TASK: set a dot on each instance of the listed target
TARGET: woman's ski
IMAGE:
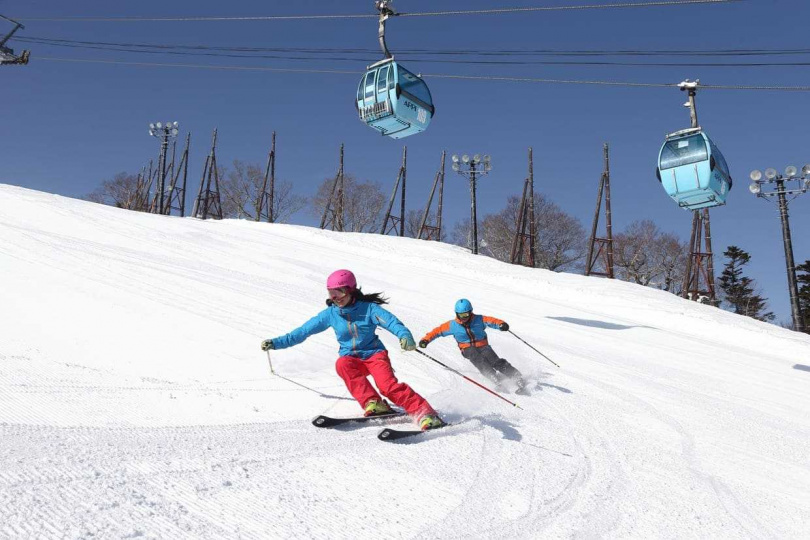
(328, 421)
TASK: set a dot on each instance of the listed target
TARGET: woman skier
(469, 331)
(354, 317)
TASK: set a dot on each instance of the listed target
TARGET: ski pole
(535, 350)
(469, 379)
(271, 363)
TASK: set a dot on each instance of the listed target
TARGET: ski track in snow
(134, 402)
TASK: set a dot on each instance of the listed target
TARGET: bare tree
(633, 252)
(461, 234)
(121, 191)
(241, 189)
(647, 256)
(362, 201)
(672, 255)
(561, 239)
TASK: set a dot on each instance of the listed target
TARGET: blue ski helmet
(463, 306)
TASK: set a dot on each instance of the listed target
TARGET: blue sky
(67, 126)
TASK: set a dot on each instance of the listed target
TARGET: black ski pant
(490, 365)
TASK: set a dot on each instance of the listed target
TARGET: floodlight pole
(781, 193)
(473, 210)
(469, 167)
(795, 309)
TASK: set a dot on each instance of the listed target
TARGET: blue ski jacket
(354, 328)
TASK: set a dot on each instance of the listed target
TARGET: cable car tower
(524, 242)
(604, 252)
(334, 211)
(7, 55)
(434, 232)
(390, 98)
(397, 220)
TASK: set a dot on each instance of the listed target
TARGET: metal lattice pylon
(333, 212)
(600, 249)
(265, 201)
(176, 195)
(523, 244)
(397, 220)
(699, 279)
(434, 232)
(208, 203)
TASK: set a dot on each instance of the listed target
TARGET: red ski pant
(354, 372)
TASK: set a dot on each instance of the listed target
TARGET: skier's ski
(389, 434)
(328, 421)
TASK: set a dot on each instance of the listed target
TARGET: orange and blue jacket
(468, 334)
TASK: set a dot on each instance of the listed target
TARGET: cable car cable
(467, 52)
(622, 5)
(123, 48)
(435, 76)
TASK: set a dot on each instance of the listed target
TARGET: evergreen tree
(803, 278)
(738, 289)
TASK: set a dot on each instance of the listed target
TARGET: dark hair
(374, 298)
(359, 296)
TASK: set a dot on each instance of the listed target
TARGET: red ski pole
(469, 379)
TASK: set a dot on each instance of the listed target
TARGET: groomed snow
(135, 401)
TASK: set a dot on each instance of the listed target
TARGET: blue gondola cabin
(393, 100)
(692, 170)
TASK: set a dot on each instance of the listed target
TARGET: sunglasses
(465, 315)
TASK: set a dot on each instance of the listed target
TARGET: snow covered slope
(135, 401)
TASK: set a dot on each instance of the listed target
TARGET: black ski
(389, 434)
(328, 421)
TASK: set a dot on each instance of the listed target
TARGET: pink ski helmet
(341, 278)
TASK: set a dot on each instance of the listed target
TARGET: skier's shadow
(801, 367)
(541, 386)
(596, 324)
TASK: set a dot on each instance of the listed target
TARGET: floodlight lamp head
(754, 188)
(152, 126)
(465, 158)
(177, 124)
(806, 170)
(477, 158)
(456, 167)
(159, 125)
(152, 133)
(770, 174)
(487, 167)
(790, 171)
(487, 158)
(174, 131)
(756, 175)
(455, 158)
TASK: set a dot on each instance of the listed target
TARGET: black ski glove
(503, 327)
(267, 344)
(423, 344)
